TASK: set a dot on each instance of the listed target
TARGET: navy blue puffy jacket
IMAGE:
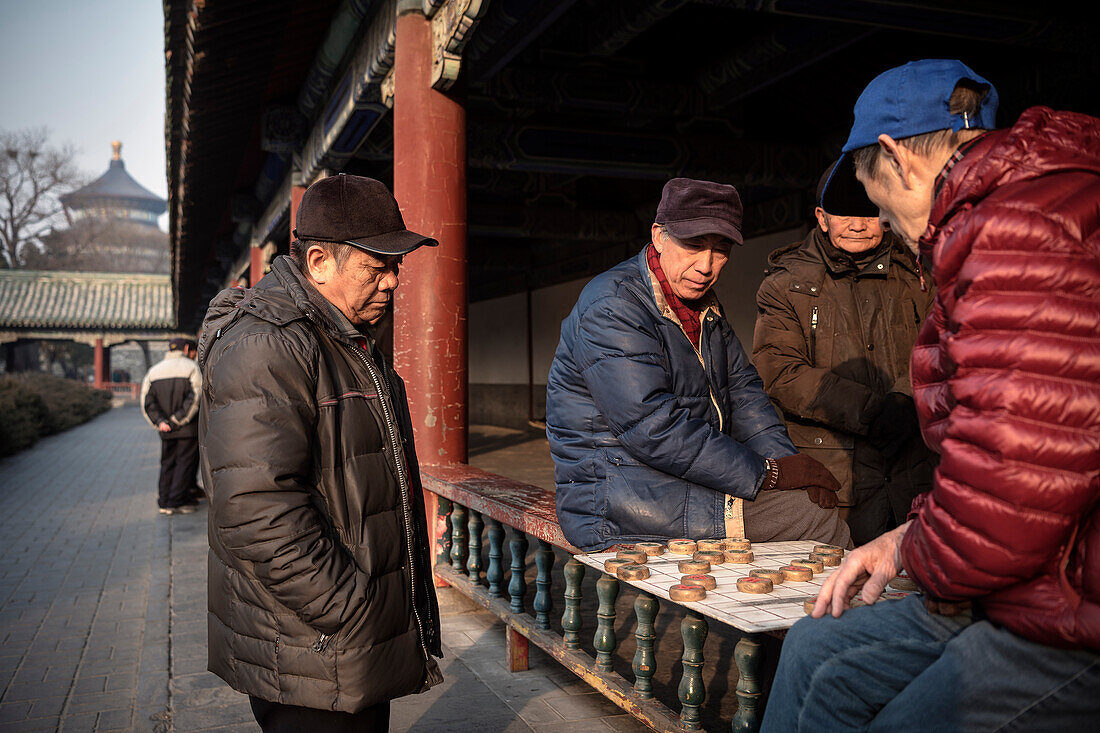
(640, 450)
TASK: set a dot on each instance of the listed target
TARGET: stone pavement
(102, 612)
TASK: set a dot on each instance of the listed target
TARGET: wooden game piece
(614, 563)
(816, 565)
(739, 557)
(775, 576)
(754, 585)
(737, 543)
(714, 557)
(902, 582)
(693, 566)
(808, 604)
(635, 556)
(632, 571)
(797, 574)
(711, 545)
(682, 547)
(650, 548)
(829, 550)
(829, 561)
(707, 581)
(687, 592)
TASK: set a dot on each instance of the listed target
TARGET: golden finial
(116, 150)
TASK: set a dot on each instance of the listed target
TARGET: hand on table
(869, 568)
(164, 427)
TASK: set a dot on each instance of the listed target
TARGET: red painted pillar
(100, 363)
(429, 323)
(429, 180)
(255, 265)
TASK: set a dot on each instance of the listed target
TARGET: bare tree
(33, 174)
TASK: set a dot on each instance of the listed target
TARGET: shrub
(33, 405)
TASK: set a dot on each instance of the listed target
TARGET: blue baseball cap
(913, 99)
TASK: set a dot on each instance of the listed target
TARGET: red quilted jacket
(1006, 377)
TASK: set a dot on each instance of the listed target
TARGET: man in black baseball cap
(319, 544)
(837, 316)
(657, 421)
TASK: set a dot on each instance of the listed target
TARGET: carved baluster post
(458, 537)
(495, 573)
(571, 619)
(645, 663)
(607, 590)
(692, 692)
(749, 656)
(443, 555)
(544, 602)
(473, 565)
(517, 645)
(517, 586)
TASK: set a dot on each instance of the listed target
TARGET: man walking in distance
(321, 602)
(170, 402)
(1006, 379)
(658, 423)
(837, 317)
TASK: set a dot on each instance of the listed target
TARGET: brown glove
(822, 497)
(802, 472)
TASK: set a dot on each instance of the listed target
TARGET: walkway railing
(477, 506)
(127, 390)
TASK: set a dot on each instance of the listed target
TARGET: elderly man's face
(692, 266)
(853, 234)
(902, 187)
(362, 288)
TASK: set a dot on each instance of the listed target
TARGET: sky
(90, 72)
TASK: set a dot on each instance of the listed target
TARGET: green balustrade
(494, 575)
(571, 619)
(645, 663)
(517, 586)
(544, 602)
(692, 691)
(607, 590)
(473, 564)
(458, 537)
(749, 656)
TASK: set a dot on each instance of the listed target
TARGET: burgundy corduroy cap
(357, 211)
(691, 208)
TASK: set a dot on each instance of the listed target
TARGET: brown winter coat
(829, 376)
(320, 590)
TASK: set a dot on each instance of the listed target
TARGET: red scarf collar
(688, 314)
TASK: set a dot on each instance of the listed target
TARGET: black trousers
(179, 462)
(275, 717)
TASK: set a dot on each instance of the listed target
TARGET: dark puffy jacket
(832, 339)
(1006, 376)
(320, 589)
(170, 393)
(647, 435)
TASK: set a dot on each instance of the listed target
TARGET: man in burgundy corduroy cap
(658, 423)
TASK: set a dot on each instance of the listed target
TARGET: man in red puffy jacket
(1006, 379)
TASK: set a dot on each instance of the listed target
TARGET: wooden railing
(473, 503)
(128, 390)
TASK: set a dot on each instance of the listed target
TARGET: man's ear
(821, 221)
(319, 264)
(654, 236)
(897, 159)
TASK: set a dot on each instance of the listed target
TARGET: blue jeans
(896, 667)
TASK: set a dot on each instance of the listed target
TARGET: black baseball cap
(839, 192)
(358, 211)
